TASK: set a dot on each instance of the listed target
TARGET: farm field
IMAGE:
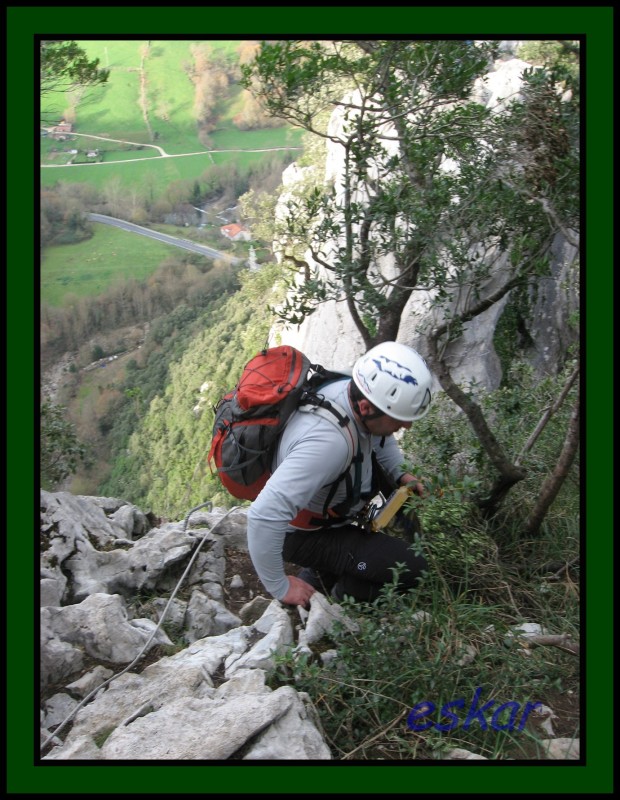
(113, 111)
(147, 101)
(149, 98)
(154, 173)
(89, 268)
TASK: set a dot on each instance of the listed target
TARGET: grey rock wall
(329, 335)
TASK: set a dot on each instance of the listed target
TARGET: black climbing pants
(352, 561)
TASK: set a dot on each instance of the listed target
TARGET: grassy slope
(158, 172)
(113, 110)
(92, 266)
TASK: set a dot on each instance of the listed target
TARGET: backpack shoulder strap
(334, 413)
(328, 409)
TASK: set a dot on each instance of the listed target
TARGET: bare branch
(547, 415)
(547, 208)
(509, 472)
(554, 482)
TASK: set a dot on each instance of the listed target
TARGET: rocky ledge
(148, 653)
(140, 657)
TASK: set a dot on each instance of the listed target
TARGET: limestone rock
(329, 335)
(561, 749)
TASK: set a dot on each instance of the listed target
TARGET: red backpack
(250, 418)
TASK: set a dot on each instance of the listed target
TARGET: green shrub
(399, 657)
(61, 450)
(483, 579)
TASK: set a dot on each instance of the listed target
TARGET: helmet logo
(395, 370)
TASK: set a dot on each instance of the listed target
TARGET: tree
(64, 66)
(438, 200)
(196, 195)
(209, 74)
(61, 451)
(62, 217)
(252, 116)
(258, 210)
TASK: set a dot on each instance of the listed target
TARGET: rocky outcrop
(107, 578)
(141, 659)
(329, 335)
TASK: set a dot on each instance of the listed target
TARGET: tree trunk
(554, 482)
(509, 473)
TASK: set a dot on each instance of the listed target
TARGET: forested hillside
(163, 464)
(142, 426)
(160, 134)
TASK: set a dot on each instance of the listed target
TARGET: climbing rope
(157, 627)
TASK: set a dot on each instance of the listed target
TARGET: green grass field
(152, 172)
(89, 268)
(113, 111)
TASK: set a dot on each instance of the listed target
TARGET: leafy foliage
(433, 182)
(445, 449)
(438, 201)
(561, 56)
(161, 454)
(61, 452)
(64, 64)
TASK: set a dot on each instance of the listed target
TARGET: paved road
(162, 152)
(186, 244)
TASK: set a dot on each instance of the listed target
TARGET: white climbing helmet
(396, 380)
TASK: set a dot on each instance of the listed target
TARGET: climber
(306, 513)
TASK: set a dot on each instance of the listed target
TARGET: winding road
(162, 152)
(186, 244)
(129, 226)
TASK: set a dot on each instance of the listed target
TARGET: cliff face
(329, 335)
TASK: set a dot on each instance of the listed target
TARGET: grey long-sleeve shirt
(311, 454)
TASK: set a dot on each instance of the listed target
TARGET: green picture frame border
(25, 774)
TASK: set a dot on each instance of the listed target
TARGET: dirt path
(53, 378)
(162, 152)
